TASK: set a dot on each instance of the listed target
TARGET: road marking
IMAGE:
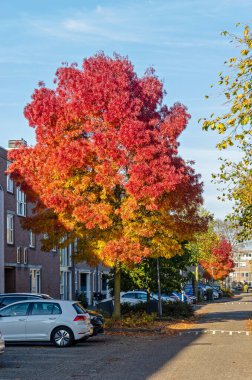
(215, 332)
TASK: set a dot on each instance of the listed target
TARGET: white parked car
(134, 297)
(164, 297)
(2, 344)
(60, 322)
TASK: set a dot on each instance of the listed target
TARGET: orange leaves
(93, 215)
(123, 250)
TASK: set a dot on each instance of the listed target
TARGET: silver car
(60, 322)
(2, 344)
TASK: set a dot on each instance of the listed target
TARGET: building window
(242, 264)
(104, 282)
(18, 255)
(10, 186)
(21, 203)
(35, 281)
(65, 256)
(32, 240)
(10, 228)
(65, 285)
(25, 255)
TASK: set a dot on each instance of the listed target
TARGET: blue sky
(180, 39)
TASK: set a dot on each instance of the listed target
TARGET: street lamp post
(159, 290)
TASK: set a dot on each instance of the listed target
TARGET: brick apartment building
(24, 267)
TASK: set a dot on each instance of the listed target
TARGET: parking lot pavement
(107, 357)
(219, 349)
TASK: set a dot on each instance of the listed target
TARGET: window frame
(18, 255)
(32, 239)
(21, 202)
(9, 182)
(10, 229)
(25, 255)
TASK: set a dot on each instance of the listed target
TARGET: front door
(13, 321)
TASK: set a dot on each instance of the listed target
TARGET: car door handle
(22, 319)
(53, 319)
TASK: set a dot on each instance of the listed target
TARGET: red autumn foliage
(106, 147)
(221, 262)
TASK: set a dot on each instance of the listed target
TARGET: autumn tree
(235, 126)
(105, 168)
(220, 263)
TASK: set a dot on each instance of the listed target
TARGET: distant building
(242, 256)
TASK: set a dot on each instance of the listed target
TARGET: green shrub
(127, 308)
(170, 309)
(177, 309)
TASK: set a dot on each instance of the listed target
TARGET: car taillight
(80, 318)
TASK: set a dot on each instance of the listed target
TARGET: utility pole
(159, 290)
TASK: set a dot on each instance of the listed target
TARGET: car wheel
(62, 337)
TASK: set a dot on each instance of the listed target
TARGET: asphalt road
(218, 347)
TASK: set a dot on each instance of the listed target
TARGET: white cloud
(135, 23)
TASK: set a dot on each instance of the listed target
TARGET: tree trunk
(117, 305)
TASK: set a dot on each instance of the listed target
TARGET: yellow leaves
(221, 128)
(231, 122)
(246, 31)
(244, 52)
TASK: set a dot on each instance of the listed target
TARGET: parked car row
(206, 291)
(38, 317)
(136, 296)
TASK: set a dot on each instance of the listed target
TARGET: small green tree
(235, 127)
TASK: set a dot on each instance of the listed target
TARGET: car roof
(40, 300)
(136, 291)
(23, 294)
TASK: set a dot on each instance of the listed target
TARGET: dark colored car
(97, 321)
(218, 289)
(9, 298)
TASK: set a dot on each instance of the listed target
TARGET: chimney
(13, 144)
